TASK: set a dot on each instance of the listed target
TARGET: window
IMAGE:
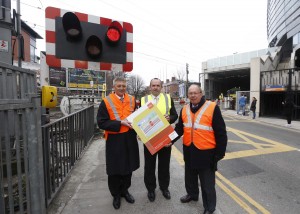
(32, 49)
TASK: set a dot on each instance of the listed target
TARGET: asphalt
(86, 190)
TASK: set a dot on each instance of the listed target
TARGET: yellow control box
(49, 96)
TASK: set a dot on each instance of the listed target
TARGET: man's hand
(167, 117)
(126, 123)
(215, 162)
(168, 145)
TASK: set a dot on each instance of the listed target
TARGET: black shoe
(151, 196)
(208, 212)
(128, 197)
(166, 194)
(117, 202)
(187, 198)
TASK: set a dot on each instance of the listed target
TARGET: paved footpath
(86, 189)
(279, 122)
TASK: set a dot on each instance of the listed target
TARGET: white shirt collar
(155, 99)
(155, 96)
(119, 96)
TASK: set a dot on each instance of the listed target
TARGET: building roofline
(30, 30)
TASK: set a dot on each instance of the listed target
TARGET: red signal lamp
(114, 32)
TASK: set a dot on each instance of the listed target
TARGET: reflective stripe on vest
(198, 118)
(114, 107)
(111, 101)
(199, 131)
(166, 102)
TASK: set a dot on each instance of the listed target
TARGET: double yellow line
(240, 197)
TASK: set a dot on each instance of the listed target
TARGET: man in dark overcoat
(122, 152)
(204, 144)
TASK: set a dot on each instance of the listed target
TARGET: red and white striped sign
(51, 59)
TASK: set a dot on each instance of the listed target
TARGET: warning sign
(3, 46)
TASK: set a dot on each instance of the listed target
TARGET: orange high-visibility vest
(119, 110)
(198, 127)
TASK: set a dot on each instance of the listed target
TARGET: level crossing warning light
(77, 40)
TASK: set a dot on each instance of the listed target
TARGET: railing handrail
(62, 118)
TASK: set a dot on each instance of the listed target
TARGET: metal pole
(19, 33)
(187, 80)
(35, 161)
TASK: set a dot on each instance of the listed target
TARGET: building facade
(29, 40)
(269, 74)
(283, 23)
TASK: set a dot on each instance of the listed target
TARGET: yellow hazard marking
(260, 146)
(238, 199)
(178, 155)
(221, 181)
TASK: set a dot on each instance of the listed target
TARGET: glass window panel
(210, 63)
(237, 59)
(217, 62)
(32, 53)
(223, 61)
(245, 58)
(230, 60)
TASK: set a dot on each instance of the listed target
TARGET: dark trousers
(119, 184)
(164, 156)
(289, 118)
(207, 181)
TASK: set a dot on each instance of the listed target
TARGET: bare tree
(136, 86)
(180, 75)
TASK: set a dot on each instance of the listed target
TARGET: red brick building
(172, 88)
(30, 37)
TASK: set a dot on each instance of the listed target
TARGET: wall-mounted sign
(275, 88)
(3, 46)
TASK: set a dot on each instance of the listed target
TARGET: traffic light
(49, 96)
(77, 40)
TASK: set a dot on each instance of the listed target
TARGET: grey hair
(119, 79)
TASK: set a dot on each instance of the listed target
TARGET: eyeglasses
(191, 94)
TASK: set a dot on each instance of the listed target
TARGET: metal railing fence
(63, 143)
(21, 180)
(35, 159)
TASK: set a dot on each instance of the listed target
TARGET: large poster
(83, 78)
(57, 77)
(152, 127)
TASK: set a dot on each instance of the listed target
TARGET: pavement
(86, 190)
(278, 122)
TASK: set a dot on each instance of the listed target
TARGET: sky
(167, 34)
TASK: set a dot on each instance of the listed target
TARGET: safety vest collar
(112, 105)
(150, 97)
(196, 124)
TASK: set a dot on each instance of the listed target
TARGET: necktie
(122, 98)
